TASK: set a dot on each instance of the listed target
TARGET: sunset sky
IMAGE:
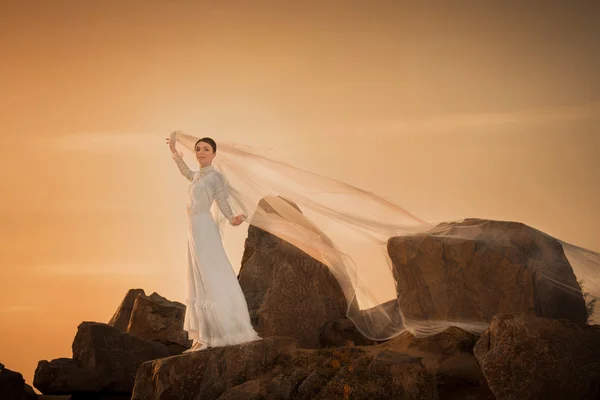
(451, 111)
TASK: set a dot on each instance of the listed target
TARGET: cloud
(97, 269)
(147, 143)
(481, 120)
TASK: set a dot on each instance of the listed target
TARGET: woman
(217, 312)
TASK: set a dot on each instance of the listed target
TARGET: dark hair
(209, 141)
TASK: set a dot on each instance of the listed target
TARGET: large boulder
(64, 376)
(208, 373)
(153, 318)
(121, 317)
(288, 292)
(475, 269)
(105, 360)
(13, 386)
(112, 355)
(527, 357)
(156, 318)
(276, 368)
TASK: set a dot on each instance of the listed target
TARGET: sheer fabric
(347, 229)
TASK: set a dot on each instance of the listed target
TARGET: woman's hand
(238, 219)
(171, 143)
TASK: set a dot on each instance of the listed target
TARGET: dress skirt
(217, 311)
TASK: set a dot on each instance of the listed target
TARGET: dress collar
(203, 171)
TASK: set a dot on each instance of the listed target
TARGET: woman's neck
(205, 165)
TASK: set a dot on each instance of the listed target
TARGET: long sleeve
(222, 196)
(183, 168)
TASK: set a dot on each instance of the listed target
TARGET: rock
(288, 292)
(250, 390)
(85, 396)
(313, 384)
(276, 368)
(120, 319)
(212, 372)
(153, 318)
(30, 393)
(382, 320)
(63, 376)
(380, 375)
(282, 386)
(342, 332)
(156, 318)
(105, 361)
(13, 386)
(475, 269)
(112, 355)
(527, 357)
(449, 357)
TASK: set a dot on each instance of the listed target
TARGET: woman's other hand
(238, 219)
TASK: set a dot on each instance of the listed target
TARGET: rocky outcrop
(342, 332)
(470, 270)
(277, 368)
(121, 317)
(152, 318)
(288, 292)
(105, 360)
(156, 318)
(448, 357)
(209, 373)
(475, 269)
(527, 357)
(13, 386)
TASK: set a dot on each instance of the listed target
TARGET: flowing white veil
(347, 229)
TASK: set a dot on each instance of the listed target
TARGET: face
(204, 153)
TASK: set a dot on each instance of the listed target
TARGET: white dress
(216, 309)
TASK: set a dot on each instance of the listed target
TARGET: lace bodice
(207, 185)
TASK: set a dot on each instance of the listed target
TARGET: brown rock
(105, 361)
(288, 292)
(113, 356)
(13, 386)
(475, 269)
(527, 357)
(387, 315)
(156, 318)
(275, 368)
(342, 332)
(283, 385)
(153, 318)
(64, 376)
(250, 390)
(209, 373)
(449, 357)
(120, 319)
(370, 374)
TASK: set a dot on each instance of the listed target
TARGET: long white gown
(217, 312)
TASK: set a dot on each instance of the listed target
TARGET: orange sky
(451, 112)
